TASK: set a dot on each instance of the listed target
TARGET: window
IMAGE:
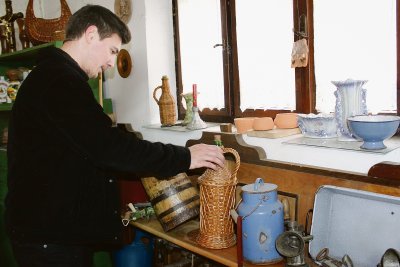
(264, 40)
(200, 51)
(238, 52)
(358, 43)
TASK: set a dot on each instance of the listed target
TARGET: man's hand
(203, 155)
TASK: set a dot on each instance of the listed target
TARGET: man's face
(102, 54)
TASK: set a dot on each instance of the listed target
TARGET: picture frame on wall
(123, 9)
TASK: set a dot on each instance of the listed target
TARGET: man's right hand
(209, 156)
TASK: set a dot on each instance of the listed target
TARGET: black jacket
(61, 148)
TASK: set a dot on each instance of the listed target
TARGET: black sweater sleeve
(74, 116)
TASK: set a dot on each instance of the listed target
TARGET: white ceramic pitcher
(350, 101)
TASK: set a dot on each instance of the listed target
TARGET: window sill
(353, 161)
(177, 127)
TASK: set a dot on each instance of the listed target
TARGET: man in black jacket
(62, 147)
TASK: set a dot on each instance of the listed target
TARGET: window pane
(265, 40)
(202, 64)
(356, 39)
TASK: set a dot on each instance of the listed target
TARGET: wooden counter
(298, 183)
(183, 236)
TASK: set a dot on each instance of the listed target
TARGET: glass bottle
(218, 141)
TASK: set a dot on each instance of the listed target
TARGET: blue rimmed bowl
(374, 129)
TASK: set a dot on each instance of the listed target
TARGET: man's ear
(91, 33)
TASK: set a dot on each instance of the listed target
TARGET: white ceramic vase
(350, 101)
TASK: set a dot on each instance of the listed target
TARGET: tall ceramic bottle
(350, 101)
(166, 103)
(262, 222)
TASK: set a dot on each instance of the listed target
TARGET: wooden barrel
(175, 200)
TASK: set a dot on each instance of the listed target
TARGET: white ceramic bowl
(317, 125)
(374, 129)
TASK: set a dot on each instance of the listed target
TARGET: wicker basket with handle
(41, 30)
(217, 198)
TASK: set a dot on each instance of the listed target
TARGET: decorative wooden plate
(124, 63)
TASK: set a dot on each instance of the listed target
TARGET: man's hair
(107, 23)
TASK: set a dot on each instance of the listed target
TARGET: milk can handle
(154, 93)
(259, 182)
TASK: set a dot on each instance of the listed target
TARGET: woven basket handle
(154, 93)
(64, 10)
(237, 159)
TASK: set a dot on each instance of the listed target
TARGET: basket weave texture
(168, 114)
(217, 198)
(41, 30)
(166, 103)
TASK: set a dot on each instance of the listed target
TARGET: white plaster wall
(160, 50)
(132, 96)
(152, 52)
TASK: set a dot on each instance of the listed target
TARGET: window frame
(305, 87)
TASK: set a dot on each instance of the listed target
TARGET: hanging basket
(217, 198)
(41, 30)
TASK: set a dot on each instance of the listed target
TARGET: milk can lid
(259, 187)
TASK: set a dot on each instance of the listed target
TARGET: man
(62, 199)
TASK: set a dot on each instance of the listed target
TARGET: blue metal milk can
(262, 222)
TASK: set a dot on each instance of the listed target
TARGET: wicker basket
(217, 198)
(41, 30)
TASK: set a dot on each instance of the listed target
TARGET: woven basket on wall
(41, 30)
(217, 198)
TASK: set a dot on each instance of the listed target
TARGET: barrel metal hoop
(177, 206)
(169, 192)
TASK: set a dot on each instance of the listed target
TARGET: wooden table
(183, 236)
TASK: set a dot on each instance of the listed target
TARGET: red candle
(194, 95)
